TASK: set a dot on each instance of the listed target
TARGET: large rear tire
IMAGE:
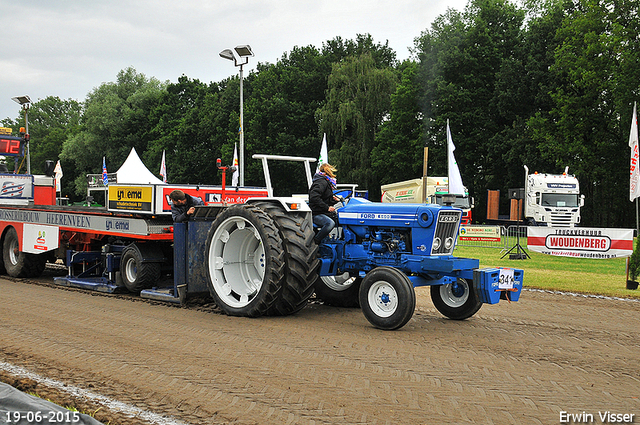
(338, 291)
(137, 274)
(457, 301)
(18, 263)
(387, 298)
(296, 231)
(245, 261)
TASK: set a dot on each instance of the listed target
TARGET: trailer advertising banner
(130, 198)
(209, 195)
(581, 242)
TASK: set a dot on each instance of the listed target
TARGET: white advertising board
(581, 242)
(39, 238)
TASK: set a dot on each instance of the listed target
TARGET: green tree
(398, 154)
(468, 61)
(280, 115)
(51, 122)
(116, 117)
(596, 65)
(190, 125)
(358, 100)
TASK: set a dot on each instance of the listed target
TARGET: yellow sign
(130, 198)
(5, 130)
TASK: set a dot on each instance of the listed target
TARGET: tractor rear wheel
(301, 264)
(338, 291)
(245, 261)
(387, 298)
(457, 301)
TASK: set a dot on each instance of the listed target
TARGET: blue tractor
(380, 252)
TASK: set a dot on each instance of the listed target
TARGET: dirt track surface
(519, 363)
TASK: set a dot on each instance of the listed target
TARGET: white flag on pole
(634, 173)
(58, 175)
(455, 179)
(324, 155)
(236, 173)
(163, 169)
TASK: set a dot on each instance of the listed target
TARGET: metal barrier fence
(501, 237)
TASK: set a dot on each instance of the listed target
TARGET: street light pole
(241, 157)
(25, 102)
(243, 52)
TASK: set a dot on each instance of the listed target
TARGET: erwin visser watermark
(605, 417)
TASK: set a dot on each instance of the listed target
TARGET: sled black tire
(18, 263)
(457, 303)
(387, 298)
(338, 291)
(245, 261)
(301, 264)
(136, 273)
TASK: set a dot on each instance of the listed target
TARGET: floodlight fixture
(227, 54)
(22, 100)
(244, 50)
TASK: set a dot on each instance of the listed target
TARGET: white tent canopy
(133, 171)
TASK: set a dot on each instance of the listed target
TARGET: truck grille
(561, 219)
(446, 232)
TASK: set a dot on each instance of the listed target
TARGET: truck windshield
(461, 201)
(559, 200)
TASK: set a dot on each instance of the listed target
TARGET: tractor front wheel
(387, 298)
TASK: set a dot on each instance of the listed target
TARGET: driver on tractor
(321, 200)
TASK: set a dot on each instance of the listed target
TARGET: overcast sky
(65, 48)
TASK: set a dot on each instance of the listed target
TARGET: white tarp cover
(17, 407)
(133, 171)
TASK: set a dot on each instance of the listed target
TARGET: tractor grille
(446, 232)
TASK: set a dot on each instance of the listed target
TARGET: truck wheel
(18, 263)
(245, 261)
(456, 301)
(338, 291)
(301, 264)
(387, 298)
(136, 273)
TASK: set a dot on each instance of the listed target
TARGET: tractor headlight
(436, 244)
(448, 243)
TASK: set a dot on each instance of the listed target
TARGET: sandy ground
(519, 363)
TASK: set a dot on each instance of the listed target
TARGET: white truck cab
(552, 199)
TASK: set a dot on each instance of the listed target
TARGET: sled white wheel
(18, 263)
(136, 273)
